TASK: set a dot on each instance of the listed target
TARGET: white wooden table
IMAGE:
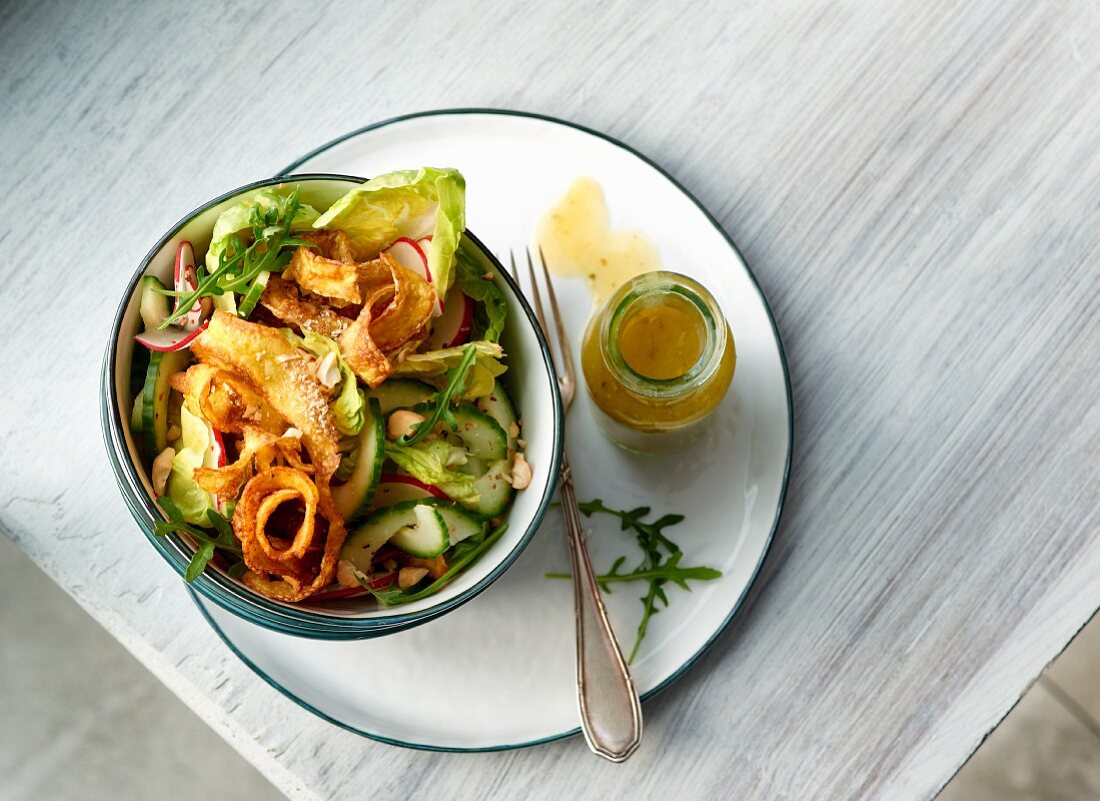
(917, 188)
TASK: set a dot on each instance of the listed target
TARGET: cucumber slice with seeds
(400, 393)
(420, 527)
(154, 409)
(353, 497)
(480, 433)
(499, 406)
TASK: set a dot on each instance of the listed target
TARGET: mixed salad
(319, 399)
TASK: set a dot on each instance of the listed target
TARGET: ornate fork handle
(611, 714)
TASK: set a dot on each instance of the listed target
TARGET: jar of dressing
(657, 359)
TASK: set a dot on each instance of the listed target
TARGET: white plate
(498, 672)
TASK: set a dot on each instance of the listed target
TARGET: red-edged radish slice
(218, 448)
(379, 583)
(185, 279)
(217, 459)
(409, 254)
(393, 488)
(453, 327)
(169, 339)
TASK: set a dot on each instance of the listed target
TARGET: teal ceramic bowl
(530, 379)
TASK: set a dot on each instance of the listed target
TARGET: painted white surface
(914, 185)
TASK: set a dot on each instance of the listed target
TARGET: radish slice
(169, 339)
(185, 279)
(218, 448)
(453, 327)
(217, 459)
(409, 254)
(354, 592)
(393, 488)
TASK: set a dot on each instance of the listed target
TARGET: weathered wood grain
(916, 185)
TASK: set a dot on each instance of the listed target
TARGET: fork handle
(611, 714)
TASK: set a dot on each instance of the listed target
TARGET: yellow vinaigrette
(657, 359)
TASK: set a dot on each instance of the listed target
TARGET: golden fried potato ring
(338, 281)
(259, 451)
(294, 485)
(296, 570)
(265, 357)
(281, 298)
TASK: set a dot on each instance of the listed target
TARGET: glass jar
(657, 359)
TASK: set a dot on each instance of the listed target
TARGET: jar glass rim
(646, 286)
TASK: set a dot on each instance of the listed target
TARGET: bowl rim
(217, 587)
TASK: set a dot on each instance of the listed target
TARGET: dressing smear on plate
(578, 242)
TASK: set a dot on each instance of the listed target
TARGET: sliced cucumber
(493, 489)
(136, 414)
(154, 409)
(353, 497)
(400, 393)
(252, 296)
(412, 526)
(426, 537)
(499, 406)
(363, 543)
(154, 305)
(480, 433)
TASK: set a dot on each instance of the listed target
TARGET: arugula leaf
(199, 560)
(238, 272)
(491, 314)
(461, 558)
(660, 562)
(432, 367)
(441, 405)
(223, 539)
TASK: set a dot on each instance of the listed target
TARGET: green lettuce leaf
(431, 462)
(237, 219)
(490, 315)
(433, 365)
(192, 500)
(410, 203)
(350, 407)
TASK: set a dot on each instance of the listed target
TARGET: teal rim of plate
(679, 672)
(218, 588)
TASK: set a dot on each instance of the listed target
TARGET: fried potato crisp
(264, 357)
(225, 400)
(407, 316)
(281, 569)
(282, 299)
(368, 342)
(333, 244)
(361, 353)
(338, 281)
(259, 451)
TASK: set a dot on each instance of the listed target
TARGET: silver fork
(611, 714)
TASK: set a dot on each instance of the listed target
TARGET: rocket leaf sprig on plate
(660, 562)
